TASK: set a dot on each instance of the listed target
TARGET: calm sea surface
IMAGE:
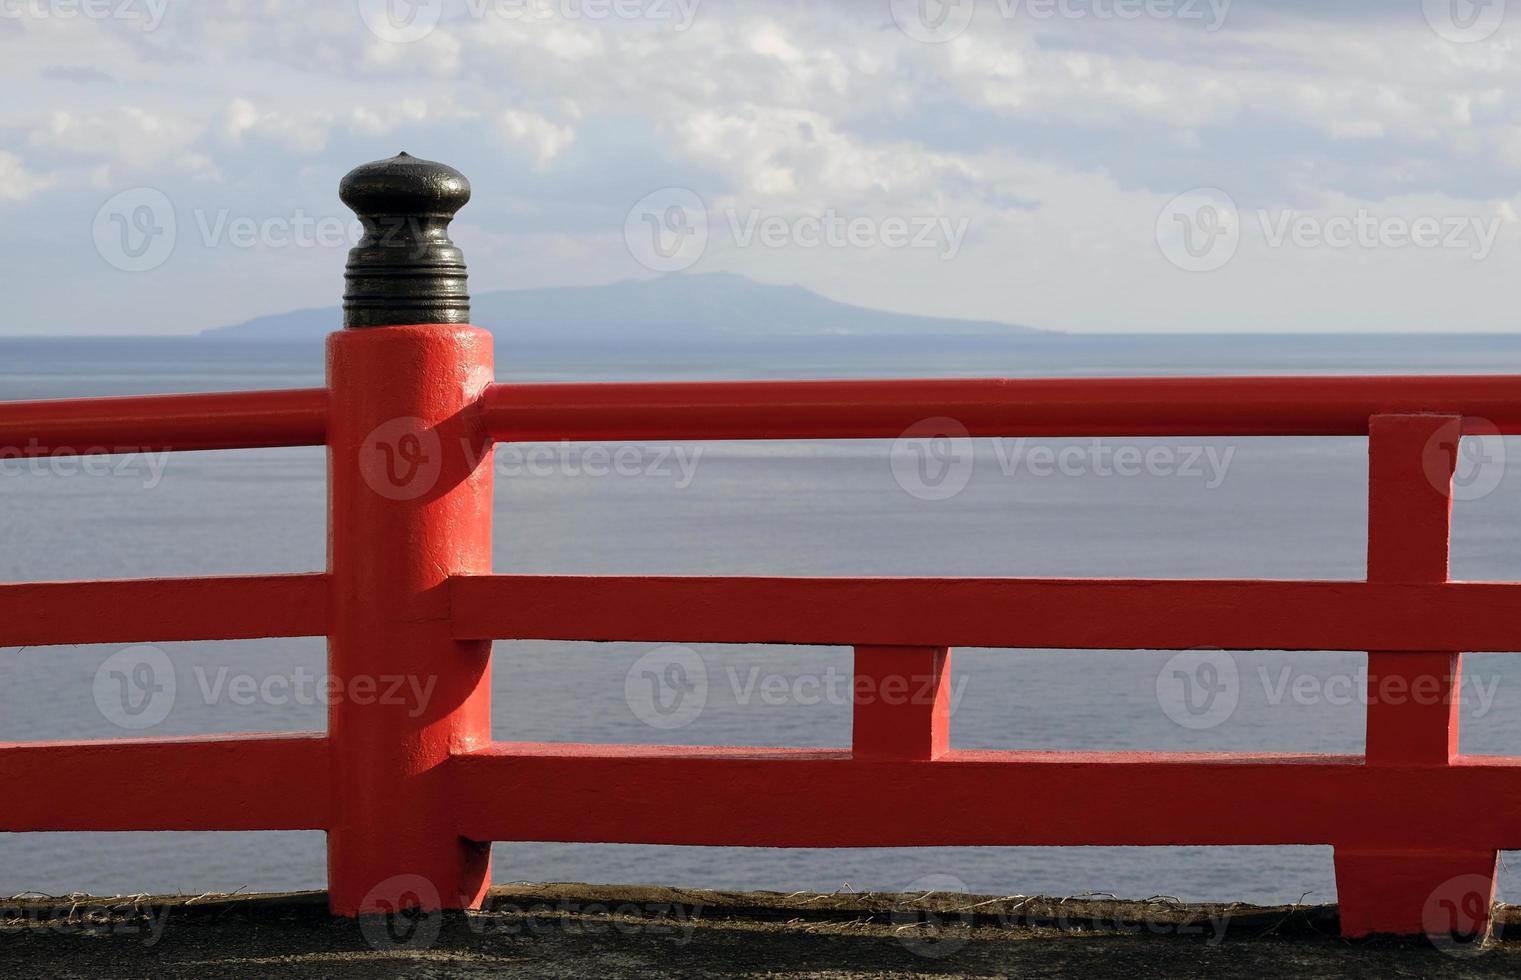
(1287, 508)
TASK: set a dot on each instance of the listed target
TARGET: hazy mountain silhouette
(714, 304)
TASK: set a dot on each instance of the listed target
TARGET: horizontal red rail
(822, 798)
(164, 609)
(158, 423)
(216, 782)
(1271, 406)
(1245, 406)
(1096, 614)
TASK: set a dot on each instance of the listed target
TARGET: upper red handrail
(836, 409)
(869, 409)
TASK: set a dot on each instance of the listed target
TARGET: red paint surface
(765, 797)
(901, 703)
(213, 782)
(1075, 614)
(408, 791)
(409, 486)
(154, 423)
(163, 609)
(1411, 460)
(1276, 406)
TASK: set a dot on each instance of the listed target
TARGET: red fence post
(901, 703)
(410, 505)
(1413, 698)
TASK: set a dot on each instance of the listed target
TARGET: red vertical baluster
(901, 698)
(1442, 886)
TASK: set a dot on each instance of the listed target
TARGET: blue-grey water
(1288, 508)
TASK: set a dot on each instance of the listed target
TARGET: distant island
(706, 306)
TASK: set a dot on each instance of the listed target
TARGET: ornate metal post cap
(405, 269)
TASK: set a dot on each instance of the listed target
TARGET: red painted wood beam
(763, 797)
(1411, 461)
(163, 609)
(901, 703)
(1245, 406)
(157, 423)
(1096, 614)
(205, 782)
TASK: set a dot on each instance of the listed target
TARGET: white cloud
(132, 137)
(302, 133)
(543, 139)
(16, 182)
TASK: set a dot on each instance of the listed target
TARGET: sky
(168, 166)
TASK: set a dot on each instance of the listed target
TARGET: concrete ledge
(586, 930)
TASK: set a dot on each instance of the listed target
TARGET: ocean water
(1268, 507)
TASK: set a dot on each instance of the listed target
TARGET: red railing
(408, 591)
(410, 795)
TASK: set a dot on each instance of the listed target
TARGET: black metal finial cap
(405, 269)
